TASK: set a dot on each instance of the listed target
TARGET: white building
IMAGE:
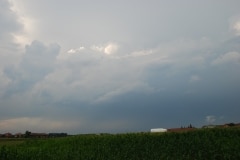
(158, 130)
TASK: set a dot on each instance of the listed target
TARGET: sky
(114, 66)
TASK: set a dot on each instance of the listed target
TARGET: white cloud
(139, 53)
(108, 49)
(76, 50)
(210, 119)
(236, 27)
(97, 48)
(230, 57)
(72, 51)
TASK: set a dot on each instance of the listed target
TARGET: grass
(199, 144)
(11, 141)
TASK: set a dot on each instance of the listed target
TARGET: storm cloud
(118, 66)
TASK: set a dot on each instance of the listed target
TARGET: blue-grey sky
(95, 66)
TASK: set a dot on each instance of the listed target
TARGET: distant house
(209, 126)
(158, 130)
(232, 125)
(226, 125)
(237, 125)
(8, 135)
(19, 135)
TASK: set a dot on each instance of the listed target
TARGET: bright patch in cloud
(110, 48)
(107, 49)
(25, 36)
(236, 27)
(210, 119)
(76, 50)
(97, 48)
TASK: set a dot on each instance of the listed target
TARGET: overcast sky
(81, 66)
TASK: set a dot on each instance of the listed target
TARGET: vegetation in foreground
(199, 144)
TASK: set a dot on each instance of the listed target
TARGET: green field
(11, 141)
(200, 144)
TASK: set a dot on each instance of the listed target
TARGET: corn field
(201, 144)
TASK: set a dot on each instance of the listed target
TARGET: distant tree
(27, 134)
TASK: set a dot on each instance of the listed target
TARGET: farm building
(8, 135)
(19, 135)
(209, 126)
(158, 130)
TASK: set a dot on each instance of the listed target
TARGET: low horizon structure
(158, 130)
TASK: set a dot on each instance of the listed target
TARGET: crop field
(193, 145)
(11, 141)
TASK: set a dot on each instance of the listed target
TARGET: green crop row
(200, 144)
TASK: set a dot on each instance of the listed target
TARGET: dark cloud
(37, 61)
(104, 95)
(157, 64)
(39, 57)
